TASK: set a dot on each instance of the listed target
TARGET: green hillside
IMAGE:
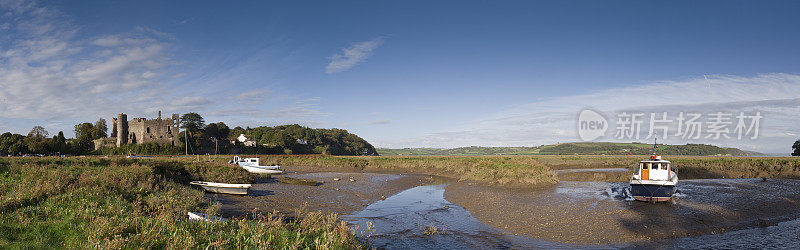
(580, 148)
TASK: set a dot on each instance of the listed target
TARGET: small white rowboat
(203, 217)
(223, 188)
(261, 170)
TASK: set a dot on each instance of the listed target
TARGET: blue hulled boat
(654, 179)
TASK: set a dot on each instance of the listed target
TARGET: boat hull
(223, 188)
(652, 192)
(259, 170)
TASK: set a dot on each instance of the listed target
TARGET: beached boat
(203, 217)
(261, 170)
(251, 162)
(654, 179)
(223, 188)
(252, 165)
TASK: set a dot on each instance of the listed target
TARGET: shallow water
(785, 235)
(400, 220)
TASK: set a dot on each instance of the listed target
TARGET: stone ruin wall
(161, 131)
(141, 130)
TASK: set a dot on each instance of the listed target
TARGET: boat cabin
(655, 169)
(246, 161)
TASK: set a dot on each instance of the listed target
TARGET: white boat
(261, 170)
(223, 188)
(654, 179)
(203, 217)
(252, 165)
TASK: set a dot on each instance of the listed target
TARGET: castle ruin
(141, 130)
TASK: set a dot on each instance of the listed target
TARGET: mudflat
(571, 212)
(338, 194)
(600, 213)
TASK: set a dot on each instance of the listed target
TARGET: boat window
(655, 166)
(665, 166)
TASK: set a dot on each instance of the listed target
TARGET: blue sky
(399, 74)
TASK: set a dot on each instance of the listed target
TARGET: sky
(406, 73)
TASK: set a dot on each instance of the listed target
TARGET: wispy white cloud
(380, 122)
(776, 96)
(254, 95)
(52, 73)
(48, 72)
(352, 55)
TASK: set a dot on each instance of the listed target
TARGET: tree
(192, 122)
(36, 141)
(6, 140)
(38, 131)
(17, 145)
(217, 130)
(59, 143)
(100, 129)
(796, 148)
(84, 131)
(83, 136)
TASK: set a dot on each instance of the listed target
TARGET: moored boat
(261, 170)
(223, 188)
(252, 165)
(654, 179)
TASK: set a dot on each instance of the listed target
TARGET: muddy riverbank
(342, 197)
(600, 213)
(568, 214)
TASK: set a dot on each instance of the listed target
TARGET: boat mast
(655, 145)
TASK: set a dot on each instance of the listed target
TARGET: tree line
(196, 137)
(285, 139)
(38, 142)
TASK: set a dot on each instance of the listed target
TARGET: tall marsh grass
(500, 170)
(101, 203)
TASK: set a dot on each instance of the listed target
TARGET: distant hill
(581, 148)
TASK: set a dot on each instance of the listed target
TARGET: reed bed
(107, 203)
(495, 170)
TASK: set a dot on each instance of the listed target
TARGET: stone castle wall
(161, 131)
(141, 130)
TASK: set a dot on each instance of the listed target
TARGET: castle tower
(122, 129)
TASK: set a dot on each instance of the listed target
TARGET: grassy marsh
(101, 203)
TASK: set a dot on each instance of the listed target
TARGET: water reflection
(400, 221)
